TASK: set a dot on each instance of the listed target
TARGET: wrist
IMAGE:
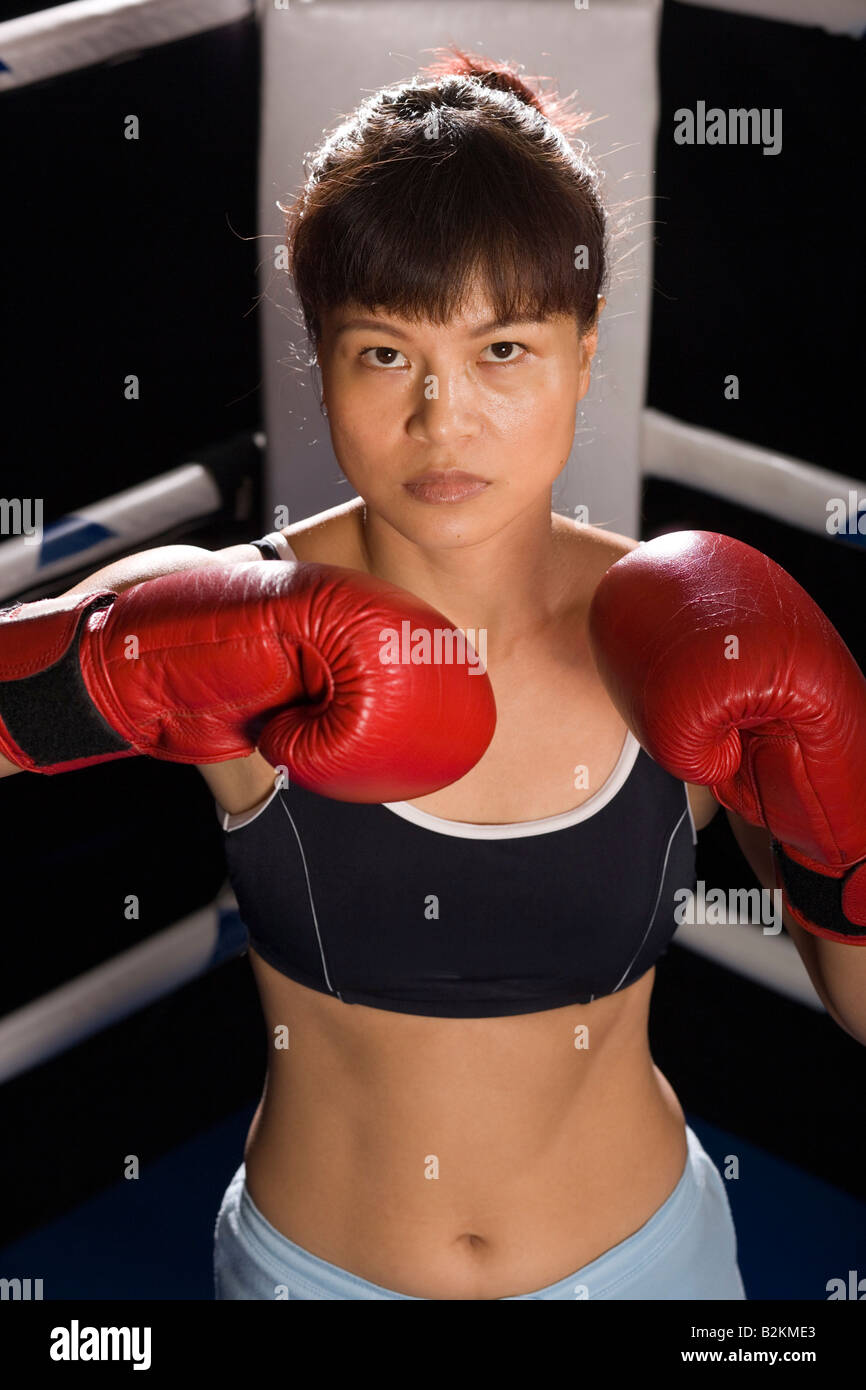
(48, 720)
(828, 902)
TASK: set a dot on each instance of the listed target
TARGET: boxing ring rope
(120, 986)
(119, 524)
(783, 488)
(36, 47)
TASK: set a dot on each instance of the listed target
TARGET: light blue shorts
(686, 1250)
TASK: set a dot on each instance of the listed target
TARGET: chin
(452, 531)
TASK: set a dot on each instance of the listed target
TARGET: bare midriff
(460, 1158)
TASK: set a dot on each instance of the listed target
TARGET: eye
(505, 361)
(385, 351)
(381, 352)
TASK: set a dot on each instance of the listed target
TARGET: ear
(590, 339)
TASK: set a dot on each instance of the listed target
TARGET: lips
(436, 475)
(445, 485)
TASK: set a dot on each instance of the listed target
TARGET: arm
(164, 559)
(147, 564)
(731, 676)
(211, 665)
(837, 972)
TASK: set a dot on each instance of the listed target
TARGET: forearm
(164, 559)
(836, 969)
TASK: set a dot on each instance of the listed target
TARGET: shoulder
(332, 537)
(592, 538)
(590, 551)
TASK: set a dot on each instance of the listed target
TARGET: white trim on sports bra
(229, 821)
(468, 830)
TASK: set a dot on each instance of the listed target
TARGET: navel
(473, 1241)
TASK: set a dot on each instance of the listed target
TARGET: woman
(503, 1134)
(460, 1100)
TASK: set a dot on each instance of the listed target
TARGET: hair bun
(504, 77)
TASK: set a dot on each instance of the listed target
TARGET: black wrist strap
(50, 715)
(816, 896)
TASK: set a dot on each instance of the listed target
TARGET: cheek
(362, 412)
(539, 418)
(360, 442)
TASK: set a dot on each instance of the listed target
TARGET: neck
(510, 583)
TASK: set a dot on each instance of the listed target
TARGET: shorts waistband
(600, 1278)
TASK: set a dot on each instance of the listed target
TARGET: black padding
(817, 897)
(51, 716)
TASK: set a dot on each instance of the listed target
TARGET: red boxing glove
(200, 666)
(731, 676)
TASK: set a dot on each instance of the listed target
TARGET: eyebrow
(382, 326)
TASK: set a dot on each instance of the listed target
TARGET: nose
(446, 409)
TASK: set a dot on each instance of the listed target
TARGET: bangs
(417, 231)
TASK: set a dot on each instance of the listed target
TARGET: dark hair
(462, 170)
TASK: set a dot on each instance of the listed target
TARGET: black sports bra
(389, 906)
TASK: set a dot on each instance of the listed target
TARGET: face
(493, 400)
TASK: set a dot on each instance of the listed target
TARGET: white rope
(781, 487)
(119, 987)
(70, 37)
